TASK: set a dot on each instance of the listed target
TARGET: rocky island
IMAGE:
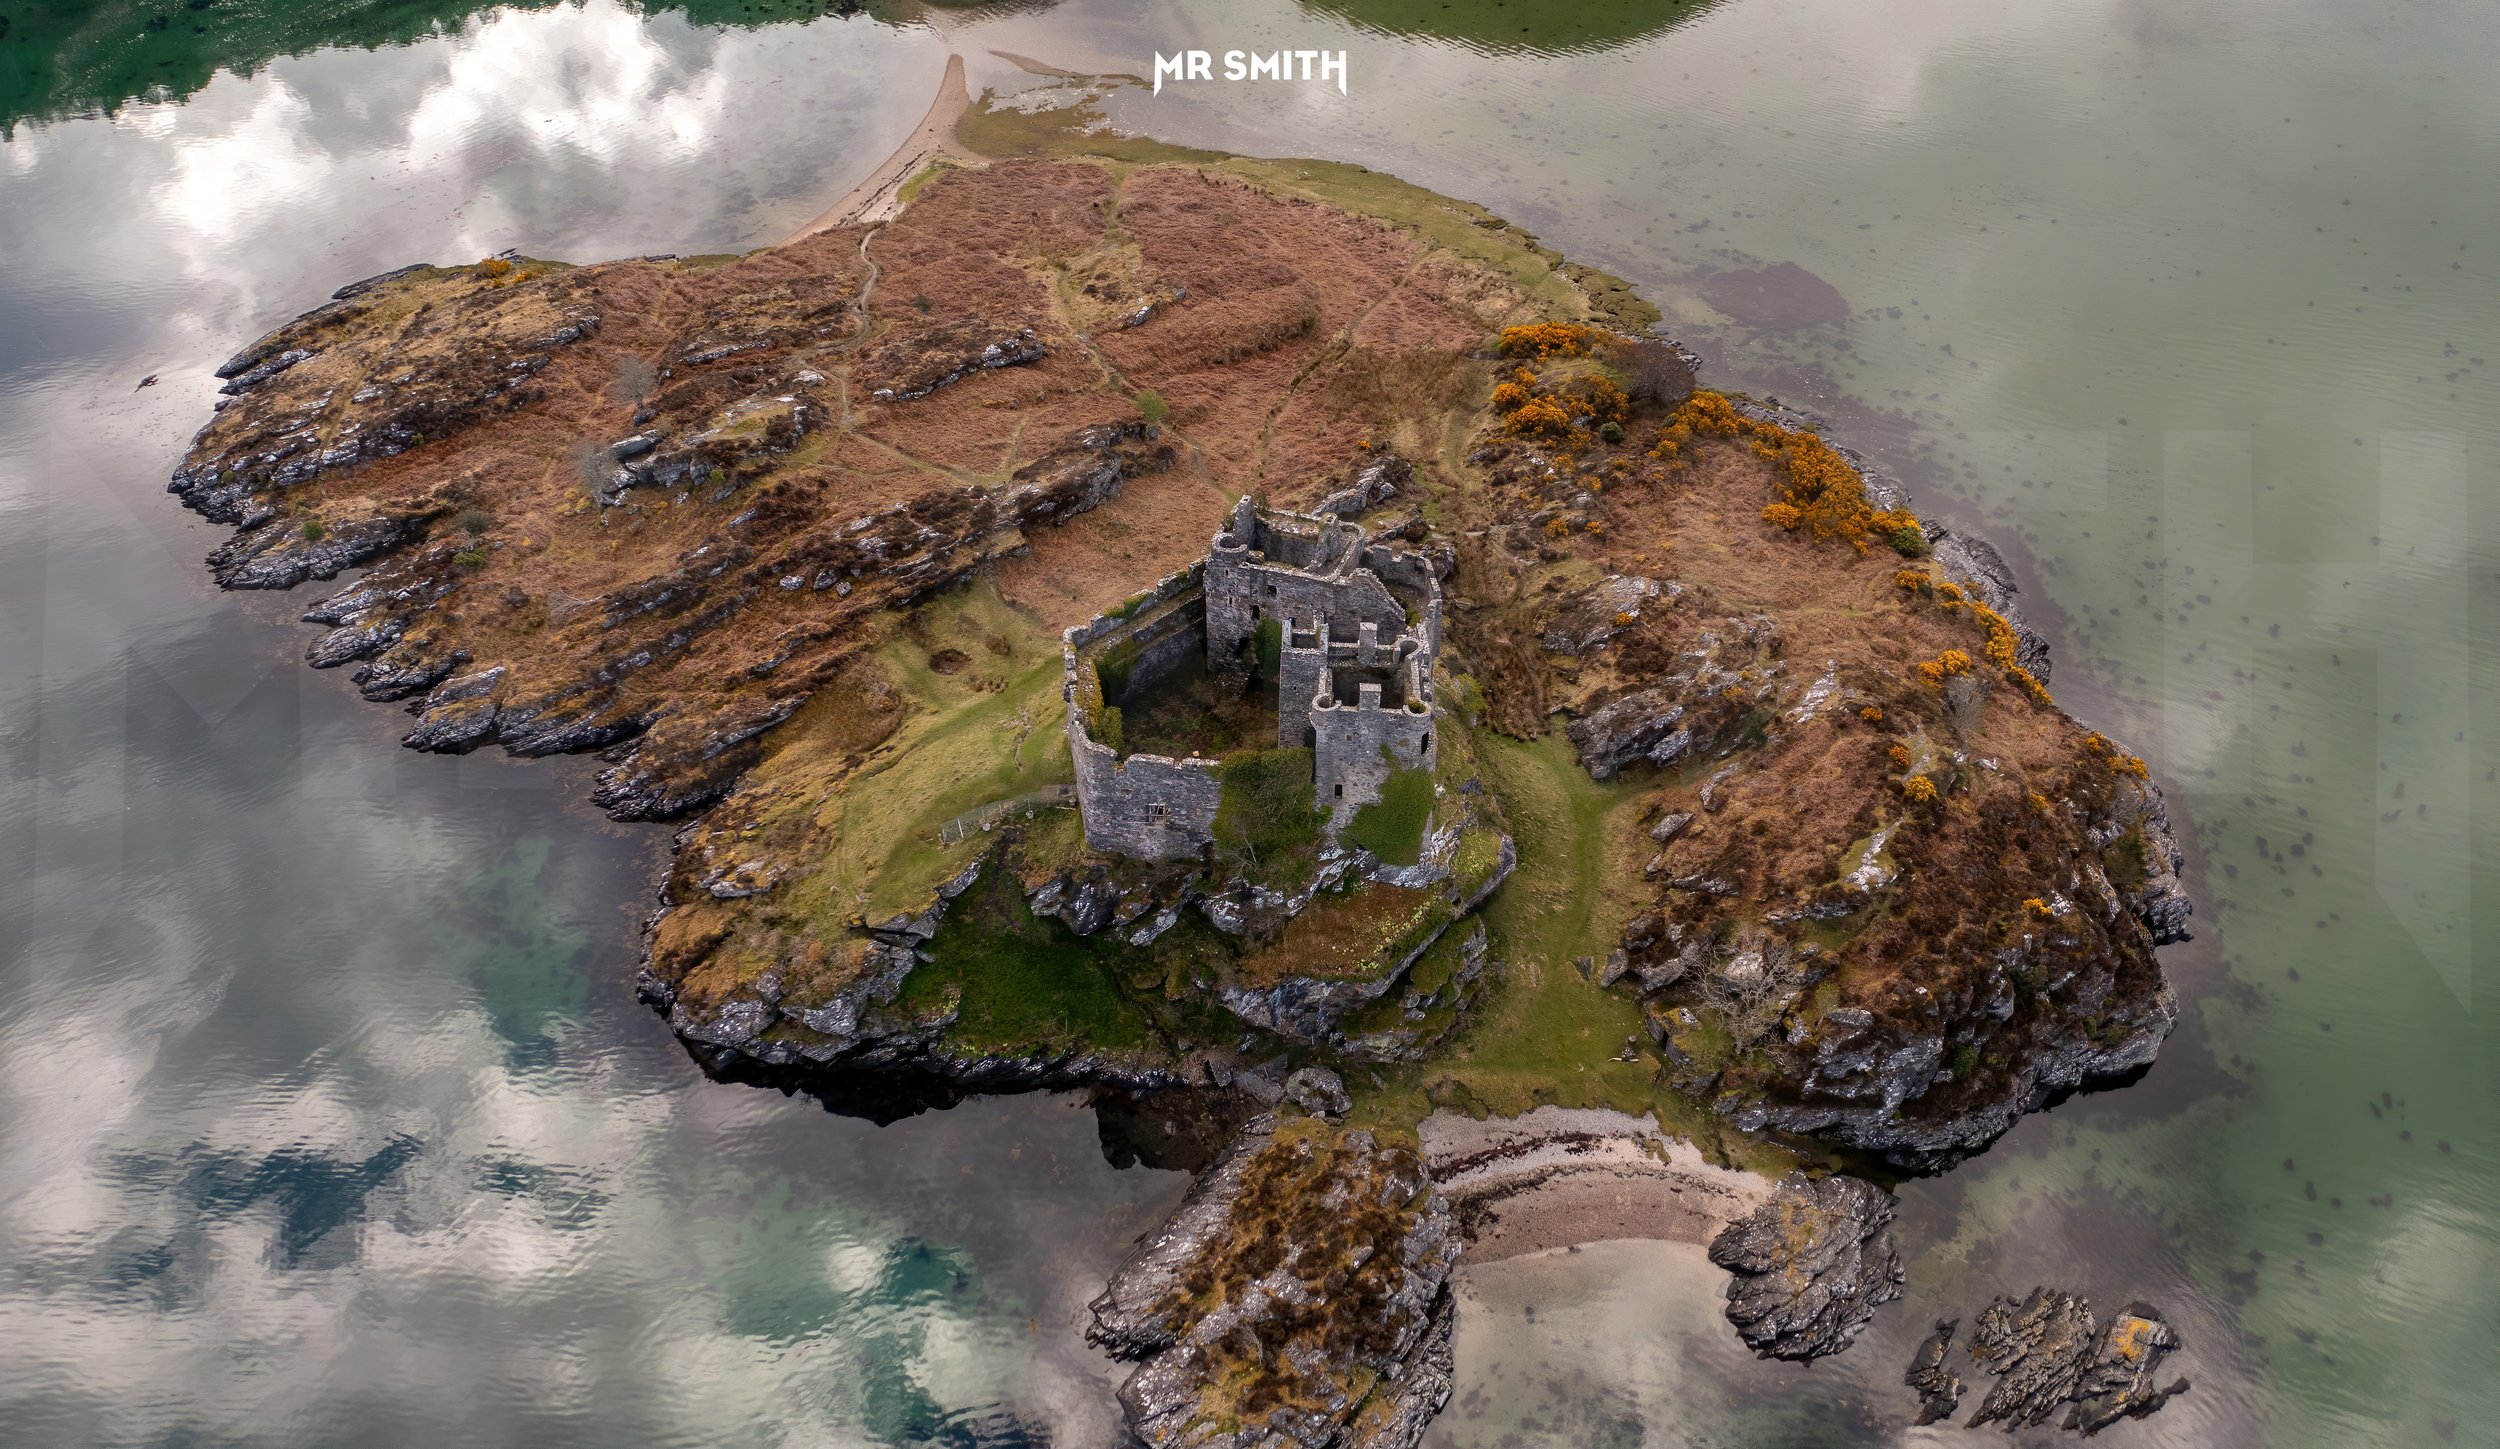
(1160, 623)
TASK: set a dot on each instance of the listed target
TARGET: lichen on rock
(1298, 1296)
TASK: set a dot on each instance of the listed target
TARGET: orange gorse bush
(1606, 402)
(1944, 666)
(1900, 757)
(2004, 650)
(1541, 418)
(1919, 790)
(1543, 340)
(2039, 907)
(1819, 490)
(1871, 714)
(2098, 744)
(1914, 580)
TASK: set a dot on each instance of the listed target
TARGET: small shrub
(920, 300)
(1965, 1062)
(1872, 714)
(1909, 542)
(1151, 406)
(1265, 807)
(312, 530)
(1611, 431)
(470, 558)
(475, 522)
(1919, 790)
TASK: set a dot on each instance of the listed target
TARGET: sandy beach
(1560, 1176)
(880, 195)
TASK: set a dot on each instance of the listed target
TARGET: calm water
(324, 1113)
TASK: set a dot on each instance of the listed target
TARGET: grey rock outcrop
(1811, 1265)
(1318, 1091)
(1694, 713)
(2120, 1381)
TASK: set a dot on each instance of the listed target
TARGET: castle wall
(1243, 590)
(1166, 641)
(1301, 677)
(1410, 574)
(1150, 807)
(1349, 762)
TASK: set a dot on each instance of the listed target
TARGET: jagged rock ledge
(1299, 1296)
(1811, 1265)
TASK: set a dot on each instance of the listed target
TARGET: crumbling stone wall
(1152, 807)
(1359, 741)
(1251, 576)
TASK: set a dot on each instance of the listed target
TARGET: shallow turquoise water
(324, 1114)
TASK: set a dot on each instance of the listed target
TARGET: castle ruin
(1346, 629)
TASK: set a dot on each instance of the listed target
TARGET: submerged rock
(1299, 1296)
(1811, 1266)
(1939, 1387)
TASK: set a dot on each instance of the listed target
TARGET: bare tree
(1753, 989)
(1655, 372)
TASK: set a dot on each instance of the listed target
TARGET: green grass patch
(956, 751)
(1545, 1034)
(1393, 828)
(1023, 984)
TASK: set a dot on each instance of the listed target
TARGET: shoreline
(879, 195)
(1558, 1177)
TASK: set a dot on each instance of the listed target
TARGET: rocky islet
(688, 513)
